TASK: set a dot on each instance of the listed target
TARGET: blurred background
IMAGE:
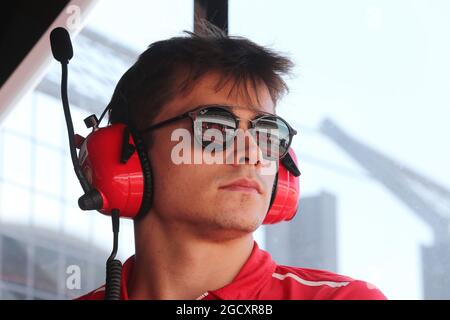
(370, 97)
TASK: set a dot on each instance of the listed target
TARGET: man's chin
(225, 226)
(221, 235)
(235, 226)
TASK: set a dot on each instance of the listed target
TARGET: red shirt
(262, 279)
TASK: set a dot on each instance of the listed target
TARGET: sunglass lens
(273, 137)
(213, 126)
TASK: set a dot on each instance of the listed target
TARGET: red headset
(115, 162)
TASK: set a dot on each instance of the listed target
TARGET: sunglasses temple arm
(165, 122)
(290, 165)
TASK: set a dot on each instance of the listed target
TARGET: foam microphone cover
(61, 45)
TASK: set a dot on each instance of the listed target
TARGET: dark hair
(171, 67)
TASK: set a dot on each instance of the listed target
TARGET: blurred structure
(93, 73)
(426, 198)
(36, 264)
(310, 239)
(38, 243)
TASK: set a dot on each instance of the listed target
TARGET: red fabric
(262, 279)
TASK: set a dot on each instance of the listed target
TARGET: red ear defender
(109, 160)
(287, 191)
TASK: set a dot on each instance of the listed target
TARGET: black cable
(103, 114)
(113, 266)
(65, 101)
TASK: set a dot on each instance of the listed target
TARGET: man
(196, 241)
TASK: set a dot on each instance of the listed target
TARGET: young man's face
(193, 194)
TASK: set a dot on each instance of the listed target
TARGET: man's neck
(171, 263)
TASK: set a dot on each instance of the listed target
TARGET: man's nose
(245, 149)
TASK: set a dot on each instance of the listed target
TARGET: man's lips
(244, 185)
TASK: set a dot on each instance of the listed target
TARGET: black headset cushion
(141, 150)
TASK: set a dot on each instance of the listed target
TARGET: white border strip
(309, 283)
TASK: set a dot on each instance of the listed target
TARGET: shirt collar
(254, 274)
